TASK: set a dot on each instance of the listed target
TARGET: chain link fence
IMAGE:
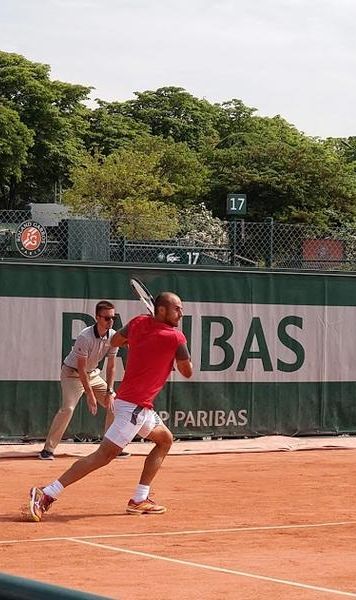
(62, 237)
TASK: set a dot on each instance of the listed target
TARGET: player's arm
(119, 338)
(110, 378)
(110, 371)
(183, 361)
(83, 376)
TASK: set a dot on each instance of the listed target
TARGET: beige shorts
(131, 420)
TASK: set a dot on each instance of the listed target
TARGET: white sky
(296, 58)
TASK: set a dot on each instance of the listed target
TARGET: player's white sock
(54, 489)
(141, 492)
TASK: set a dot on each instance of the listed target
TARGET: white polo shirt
(92, 346)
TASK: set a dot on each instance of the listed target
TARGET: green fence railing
(20, 588)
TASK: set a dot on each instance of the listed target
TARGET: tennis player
(154, 344)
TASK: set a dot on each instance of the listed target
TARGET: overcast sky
(296, 58)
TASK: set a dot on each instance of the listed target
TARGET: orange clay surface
(239, 526)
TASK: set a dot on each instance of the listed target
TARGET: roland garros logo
(31, 239)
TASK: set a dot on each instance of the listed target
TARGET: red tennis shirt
(152, 348)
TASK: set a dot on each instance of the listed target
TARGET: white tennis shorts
(131, 420)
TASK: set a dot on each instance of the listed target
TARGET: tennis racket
(143, 294)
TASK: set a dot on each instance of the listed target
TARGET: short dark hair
(103, 305)
(163, 299)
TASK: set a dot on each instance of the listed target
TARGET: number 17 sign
(236, 204)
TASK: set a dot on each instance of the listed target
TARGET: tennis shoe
(124, 455)
(39, 503)
(145, 507)
(46, 455)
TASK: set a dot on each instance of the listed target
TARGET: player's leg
(104, 454)
(72, 390)
(163, 439)
(100, 390)
(141, 503)
(42, 498)
(127, 422)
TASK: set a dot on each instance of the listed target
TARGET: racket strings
(143, 294)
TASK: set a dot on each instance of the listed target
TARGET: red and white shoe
(39, 503)
(145, 507)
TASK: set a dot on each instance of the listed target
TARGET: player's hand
(92, 404)
(109, 400)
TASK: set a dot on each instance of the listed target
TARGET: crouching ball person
(154, 343)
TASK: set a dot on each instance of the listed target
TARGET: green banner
(272, 351)
(20, 588)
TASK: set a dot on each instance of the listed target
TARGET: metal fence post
(269, 255)
(233, 240)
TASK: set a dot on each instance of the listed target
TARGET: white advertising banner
(229, 342)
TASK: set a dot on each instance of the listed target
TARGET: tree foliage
(147, 220)
(15, 142)
(142, 175)
(171, 112)
(163, 146)
(285, 174)
(109, 130)
(54, 114)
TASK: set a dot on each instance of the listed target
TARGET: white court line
(184, 532)
(188, 563)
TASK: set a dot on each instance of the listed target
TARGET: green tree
(109, 130)
(234, 123)
(15, 141)
(55, 114)
(149, 171)
(147, 220)
(285, 174)
(185, 169)
(171, 112)
(101, 184)
(346, 147)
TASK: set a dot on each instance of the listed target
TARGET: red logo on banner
(31, 239)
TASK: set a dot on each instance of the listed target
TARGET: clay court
(240, 525)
